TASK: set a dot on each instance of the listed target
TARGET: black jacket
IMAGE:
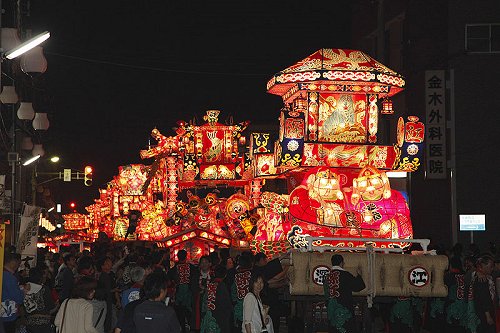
(155, 317)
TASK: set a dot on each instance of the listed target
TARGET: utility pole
(380, 32)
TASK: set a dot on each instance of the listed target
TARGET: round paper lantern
(10, 39)
(38, 150)
(34, 61)
(41, 122)
(27, 143)
(26, 111)
(9, 95)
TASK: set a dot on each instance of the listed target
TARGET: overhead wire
(156, 69)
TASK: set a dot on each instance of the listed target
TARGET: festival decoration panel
(131, 178)
(260, 143)
(349, 156)
(342, 118)
(325, 204)
(411, 135)
(76, 221)
(338, 70)
(291, 138)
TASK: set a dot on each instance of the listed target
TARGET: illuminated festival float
(204, 188)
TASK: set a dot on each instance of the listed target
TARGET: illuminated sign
(472, 222)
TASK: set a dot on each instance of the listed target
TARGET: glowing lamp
(38, 150)
(41, 122)
(25, 111)
(300, 104)
(10, 39)
(387, 106)
(34, 61)
(242, 140)
(9, 95)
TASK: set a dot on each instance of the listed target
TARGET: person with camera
(256, 317)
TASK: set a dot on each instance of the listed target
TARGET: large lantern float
(203, 190)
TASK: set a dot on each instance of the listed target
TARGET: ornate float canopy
(337, 70)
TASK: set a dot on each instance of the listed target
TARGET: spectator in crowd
(255, 314)
(38, 303)
(65, 276)
(85, 267)
(106, 290)
(137, 275)
(12, 294)
(153, 315)
(76, 314)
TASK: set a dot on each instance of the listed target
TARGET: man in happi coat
(216, 305)
(184, 276)
(339, 286)
(240, 287)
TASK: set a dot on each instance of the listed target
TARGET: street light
(11, 54)
(28, 45)
(31, 160)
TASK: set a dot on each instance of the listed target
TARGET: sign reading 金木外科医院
(435, 127)
(472, 222)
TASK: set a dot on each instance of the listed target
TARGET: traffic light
(87, 176)
(72, 205)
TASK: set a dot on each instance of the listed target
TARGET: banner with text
(435, 124)
(28, 235)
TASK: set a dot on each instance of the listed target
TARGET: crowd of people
(116, 289)
(123, 289)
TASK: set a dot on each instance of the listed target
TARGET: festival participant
(65, 277)
(153, 315)
(12, 294)
(240, 286)
(482, 293)
(216, 304)
(76, 314)
(339, 285)
(183, 274)
(38, 303)
(255, 313)
(204, 276)
(456, 301)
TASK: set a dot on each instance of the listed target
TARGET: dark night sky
(119, 68)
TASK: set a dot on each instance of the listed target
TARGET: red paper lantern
(387, 106)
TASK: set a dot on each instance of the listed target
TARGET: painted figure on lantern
(273, 226)
(319, 199)
(383, 211)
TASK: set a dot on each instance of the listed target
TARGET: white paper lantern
(25, 111)
(34, 61)
(41, 122)
(9, 95)
(27, 143)
(10, 39)
(38, 150)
